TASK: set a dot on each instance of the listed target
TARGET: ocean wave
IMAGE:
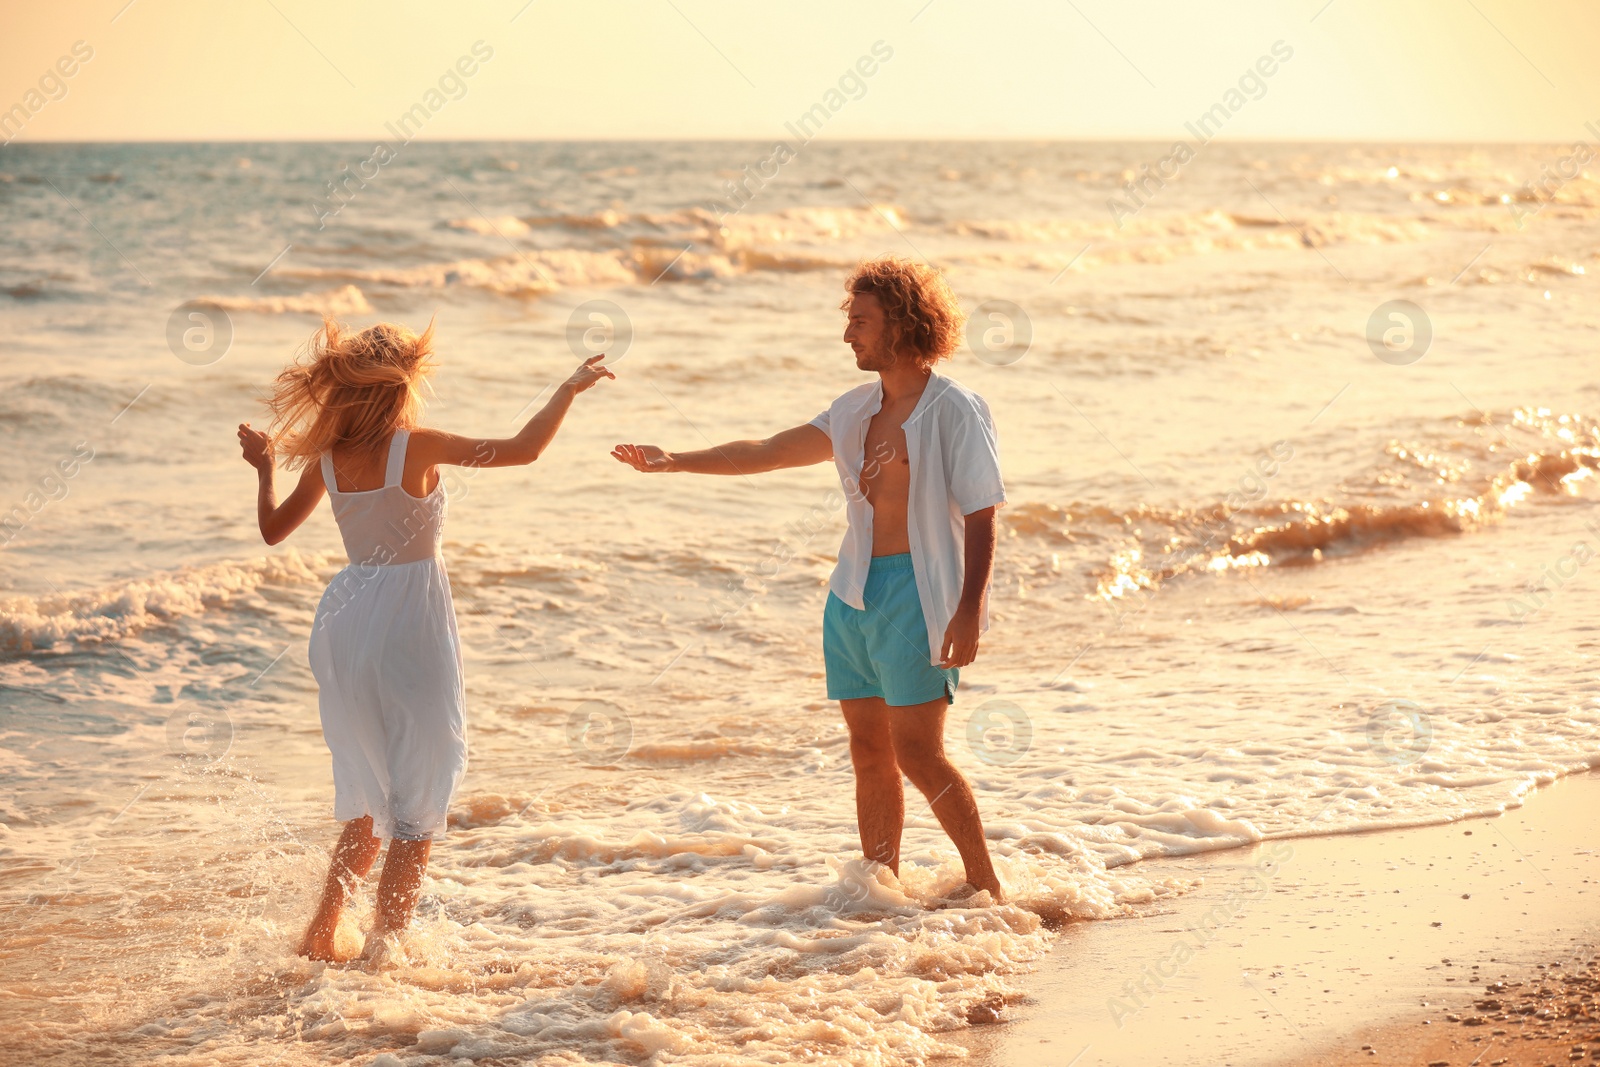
(344, 300)
(698, 751)
(807, 225)
(725, 228)
(538, 272)
(1540, 272)
(41, 282)
(609, 219)
(1153, 545)
(709, 229)
(502, 225)
(530, 273)
(69, 394)
(702, 244)
(1159, 237)
(1461, 183)
(64, 622)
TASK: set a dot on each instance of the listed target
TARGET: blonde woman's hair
(351, 389)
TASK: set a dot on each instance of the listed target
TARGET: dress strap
(327, 473)
(397, 458)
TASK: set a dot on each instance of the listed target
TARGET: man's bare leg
(352, 859)
(880, 796)
(398, 888)
(918, 734)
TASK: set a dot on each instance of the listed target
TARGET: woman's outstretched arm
(278, 521)
(435, 446)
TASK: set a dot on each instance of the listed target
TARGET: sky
(1365, 70)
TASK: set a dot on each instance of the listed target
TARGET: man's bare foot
(966, 891)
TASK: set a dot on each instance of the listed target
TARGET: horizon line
(944, 139)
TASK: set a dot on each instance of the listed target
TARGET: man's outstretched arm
(798, 447)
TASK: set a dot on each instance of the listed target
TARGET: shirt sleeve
(972, 458)
(823, 421)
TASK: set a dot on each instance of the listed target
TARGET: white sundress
(387, 658)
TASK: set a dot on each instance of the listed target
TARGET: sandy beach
(1541, 1015)
(1362, 948)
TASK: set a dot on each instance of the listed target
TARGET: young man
(908, 600)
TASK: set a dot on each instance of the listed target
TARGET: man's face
(866, 334)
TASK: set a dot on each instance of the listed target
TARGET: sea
(1300, 449)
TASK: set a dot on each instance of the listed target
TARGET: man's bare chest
(886, 463)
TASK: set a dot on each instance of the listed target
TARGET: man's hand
(799, 446)
(647, 458)
(256, 446)
(588, 372)
(961, 636)
(960, 639)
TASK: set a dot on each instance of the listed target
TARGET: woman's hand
(588, 372)
(256, 446)
(647, 458)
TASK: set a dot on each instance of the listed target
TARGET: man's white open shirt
(955, 470)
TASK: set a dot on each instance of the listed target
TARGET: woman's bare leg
(399, 886)
(353, 857)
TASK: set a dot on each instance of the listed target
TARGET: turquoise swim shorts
(883, 651)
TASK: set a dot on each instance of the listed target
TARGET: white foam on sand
(546, 932)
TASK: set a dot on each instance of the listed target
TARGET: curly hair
(353, 388)
(921, 313)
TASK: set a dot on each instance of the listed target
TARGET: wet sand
(1356, 948)
(1544, 1014)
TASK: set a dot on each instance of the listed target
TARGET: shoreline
(1300, 951)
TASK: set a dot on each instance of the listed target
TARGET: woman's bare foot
(317, 944)
(381, 951)
(328, 942)
(352, 859)
(323, 949)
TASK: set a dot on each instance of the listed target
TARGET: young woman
(384, 647)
